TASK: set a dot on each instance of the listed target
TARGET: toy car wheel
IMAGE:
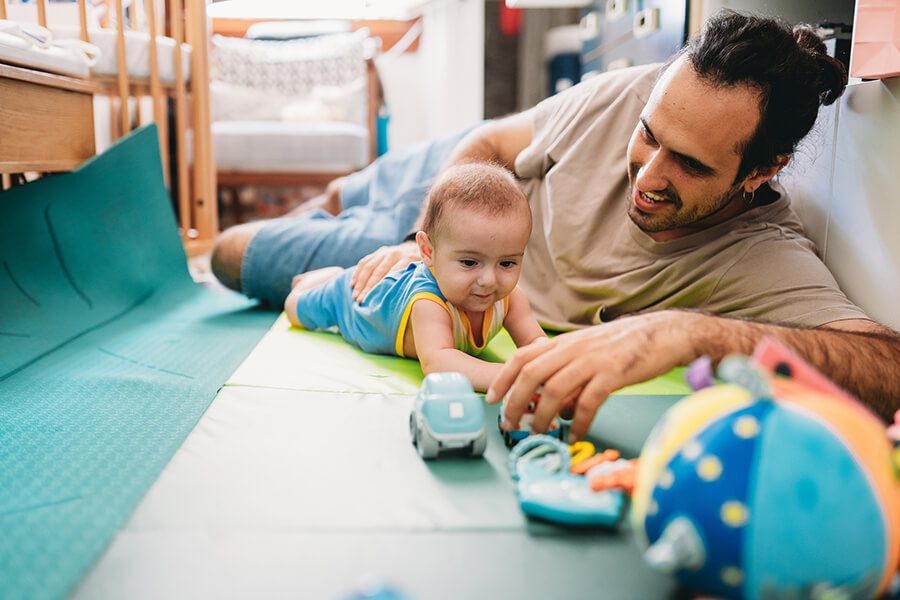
(479, 444)
(427, 445)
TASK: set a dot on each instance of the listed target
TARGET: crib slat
(122, 68)
(82, 20)
(42, 12)
(204, 200)
(156, 92)
(176, 22)
(2, 9)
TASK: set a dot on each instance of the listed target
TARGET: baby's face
(477, 259)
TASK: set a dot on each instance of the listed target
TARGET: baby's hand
(290, 304)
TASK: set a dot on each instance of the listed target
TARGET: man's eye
(468, 262)
(647, 137)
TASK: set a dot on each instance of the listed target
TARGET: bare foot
(311, 279)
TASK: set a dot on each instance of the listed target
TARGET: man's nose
(653, 174)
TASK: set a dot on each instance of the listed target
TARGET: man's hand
(375, 266)
(582, 368)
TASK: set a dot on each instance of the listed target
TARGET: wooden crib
(47, 120)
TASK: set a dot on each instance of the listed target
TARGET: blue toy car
(447, 415)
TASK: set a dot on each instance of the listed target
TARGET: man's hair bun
(832, 74)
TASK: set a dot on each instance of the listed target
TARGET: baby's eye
(467, 262)
(508, 264)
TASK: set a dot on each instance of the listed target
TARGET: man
(682, 216)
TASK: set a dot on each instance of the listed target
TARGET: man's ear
(426, 249)
(761, 176)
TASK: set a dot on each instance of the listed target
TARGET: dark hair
(789, 67)
(486, 188)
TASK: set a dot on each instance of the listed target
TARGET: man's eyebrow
(695, 163)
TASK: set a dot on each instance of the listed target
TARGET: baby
(445, 309)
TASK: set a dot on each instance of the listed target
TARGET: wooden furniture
(375, 97)
(388, 32)
(47, 121)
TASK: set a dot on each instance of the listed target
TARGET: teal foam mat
(109, 354)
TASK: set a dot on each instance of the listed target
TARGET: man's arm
(858, 355)
(499, 141)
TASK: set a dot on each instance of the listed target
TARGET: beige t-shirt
(587, 262)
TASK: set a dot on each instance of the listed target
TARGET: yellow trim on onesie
(404, 320)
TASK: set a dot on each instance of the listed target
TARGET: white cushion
(18, 47)
(137, 53)
(289, 68)
(230, 102)
(280, 147)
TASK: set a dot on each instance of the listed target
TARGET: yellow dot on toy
(734, 513)
(709, 468)
(692, 450)
(732, 576)
(746, 427)
(666, 479)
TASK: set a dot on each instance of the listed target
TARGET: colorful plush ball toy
(770, 486)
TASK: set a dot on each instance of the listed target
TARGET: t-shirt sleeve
(799, 291)
(560, 120)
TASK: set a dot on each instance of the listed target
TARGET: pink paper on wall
(876, 39)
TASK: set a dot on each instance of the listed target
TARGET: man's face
(684, 154)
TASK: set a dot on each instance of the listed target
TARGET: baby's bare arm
(523, 328)
(432, 333)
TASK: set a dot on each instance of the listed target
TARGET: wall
(793, 11)
(438, 89)
(843, 185)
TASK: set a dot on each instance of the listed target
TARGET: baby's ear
(426, 250)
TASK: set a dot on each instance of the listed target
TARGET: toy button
(457, 410)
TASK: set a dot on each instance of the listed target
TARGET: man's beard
(675, 216)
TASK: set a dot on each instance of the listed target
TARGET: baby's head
(476, 227)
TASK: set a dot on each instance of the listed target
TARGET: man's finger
(562, 385)
(588, 403)
(375, 277)
(401, 263)
(365, 260)
(567, 406)
(504, 380)
(363, 272)
(531, 375)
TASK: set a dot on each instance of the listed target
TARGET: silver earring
(748, 198)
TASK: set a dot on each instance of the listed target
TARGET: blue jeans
(380, 206)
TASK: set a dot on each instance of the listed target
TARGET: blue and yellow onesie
(379, 323)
